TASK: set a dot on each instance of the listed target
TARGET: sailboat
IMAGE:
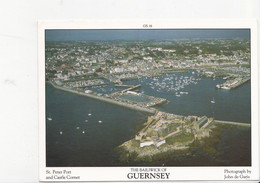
(213, 101)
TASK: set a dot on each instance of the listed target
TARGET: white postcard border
(120, 173)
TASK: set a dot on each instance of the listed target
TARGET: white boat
(61, 132)
(226, 88)
(77, 127)
(213, 101)
(184, 93)
(83, 131)
(49, 118)
(86, 120)
(89, 114)
(100, 121)
(177, 95)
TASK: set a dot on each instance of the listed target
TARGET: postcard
(148, 100)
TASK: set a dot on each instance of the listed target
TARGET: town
(85, 64)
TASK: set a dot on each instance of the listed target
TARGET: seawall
(108, 100)
(233, 123)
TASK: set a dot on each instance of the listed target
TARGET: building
(147, 143)
(198, 124)
(160, 143)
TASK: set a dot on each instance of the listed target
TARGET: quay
(236, 83)
(108, 100)
(242, 82)
(131, 88)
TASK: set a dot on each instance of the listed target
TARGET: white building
(148, 143)
(160, 143)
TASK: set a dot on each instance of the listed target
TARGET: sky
(85, 35)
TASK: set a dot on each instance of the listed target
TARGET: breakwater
(105, 99)
(242, 82)
(233, 123)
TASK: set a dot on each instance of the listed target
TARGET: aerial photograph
(147, 97)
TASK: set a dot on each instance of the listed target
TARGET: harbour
(133, 94)
(93, 135)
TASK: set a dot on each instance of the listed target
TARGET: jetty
(132, 87)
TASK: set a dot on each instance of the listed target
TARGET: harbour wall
(233, 123)
(108, 100)
(241, 83)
